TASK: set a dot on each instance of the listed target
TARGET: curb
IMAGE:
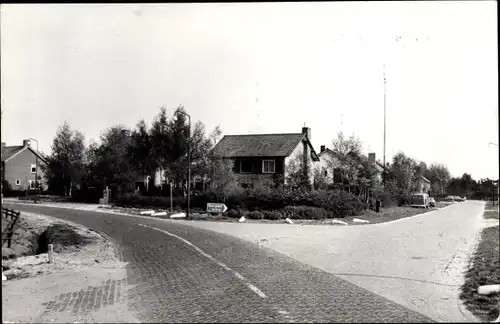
(410, 217)
(108, 211)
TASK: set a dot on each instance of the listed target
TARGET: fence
(12, 217)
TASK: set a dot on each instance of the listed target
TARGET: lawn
(485, 270)
(490, 211)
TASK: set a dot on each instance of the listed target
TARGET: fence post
(51, 253)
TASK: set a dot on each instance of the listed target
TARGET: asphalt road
(180, 273)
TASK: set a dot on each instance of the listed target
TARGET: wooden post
(171, 206)
(51, 253)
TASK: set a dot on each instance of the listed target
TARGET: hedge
(334, 203)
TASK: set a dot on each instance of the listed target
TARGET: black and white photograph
(244, 162)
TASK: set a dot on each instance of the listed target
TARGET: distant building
(423, 185)
(19, 166)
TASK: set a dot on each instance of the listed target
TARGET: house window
(246, 166)
(268, 166)
(325, 171)
(18, 182)
(33, 168)
(32, 184)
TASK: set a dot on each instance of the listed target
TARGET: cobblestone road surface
(171, 281)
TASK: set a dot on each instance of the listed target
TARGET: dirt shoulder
(86, 283)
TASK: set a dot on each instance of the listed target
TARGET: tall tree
(439, 175)
(201, 147)
(112, 163)
(178, 149)
(369, 179)
(160, 140)
(66, 162)
(421, 168)
(401, 176)
(141, 150)
(348, 152)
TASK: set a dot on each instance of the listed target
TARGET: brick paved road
(173, 282)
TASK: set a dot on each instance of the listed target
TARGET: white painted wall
(298, 152)
(325, 161)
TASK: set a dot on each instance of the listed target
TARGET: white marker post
(51, 253)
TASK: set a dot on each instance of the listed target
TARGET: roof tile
(8, 151)
(258, 145)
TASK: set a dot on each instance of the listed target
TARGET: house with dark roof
(20, 164)
(265, 157)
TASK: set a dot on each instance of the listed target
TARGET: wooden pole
(385, 85)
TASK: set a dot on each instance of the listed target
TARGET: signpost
(216, 208)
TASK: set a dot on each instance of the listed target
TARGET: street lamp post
(36, 168)
(385, 85)
(493, 182)
(189, 162)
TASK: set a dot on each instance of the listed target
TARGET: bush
(306, 212)
(87, 195)
(339, 203)
(233, 213)
(273, 214)
(255, 215)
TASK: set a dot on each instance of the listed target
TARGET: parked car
(449, 199)
(420, 200)
(432, 202)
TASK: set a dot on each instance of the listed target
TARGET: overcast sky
(262, 68)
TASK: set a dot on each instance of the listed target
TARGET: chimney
(371, 158)
(322, 148)
(307, 131)
(26, 143)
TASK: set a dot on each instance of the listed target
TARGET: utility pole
(385, 84)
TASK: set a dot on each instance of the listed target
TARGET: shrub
(233, 213)
(6, 186)
(273, 214)
(339, 203)
(255, 215)
(306, 212)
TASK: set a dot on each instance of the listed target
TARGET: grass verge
(490, 211)
(485, 270)
(385, 215)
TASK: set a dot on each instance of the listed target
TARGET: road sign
(216, 208)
